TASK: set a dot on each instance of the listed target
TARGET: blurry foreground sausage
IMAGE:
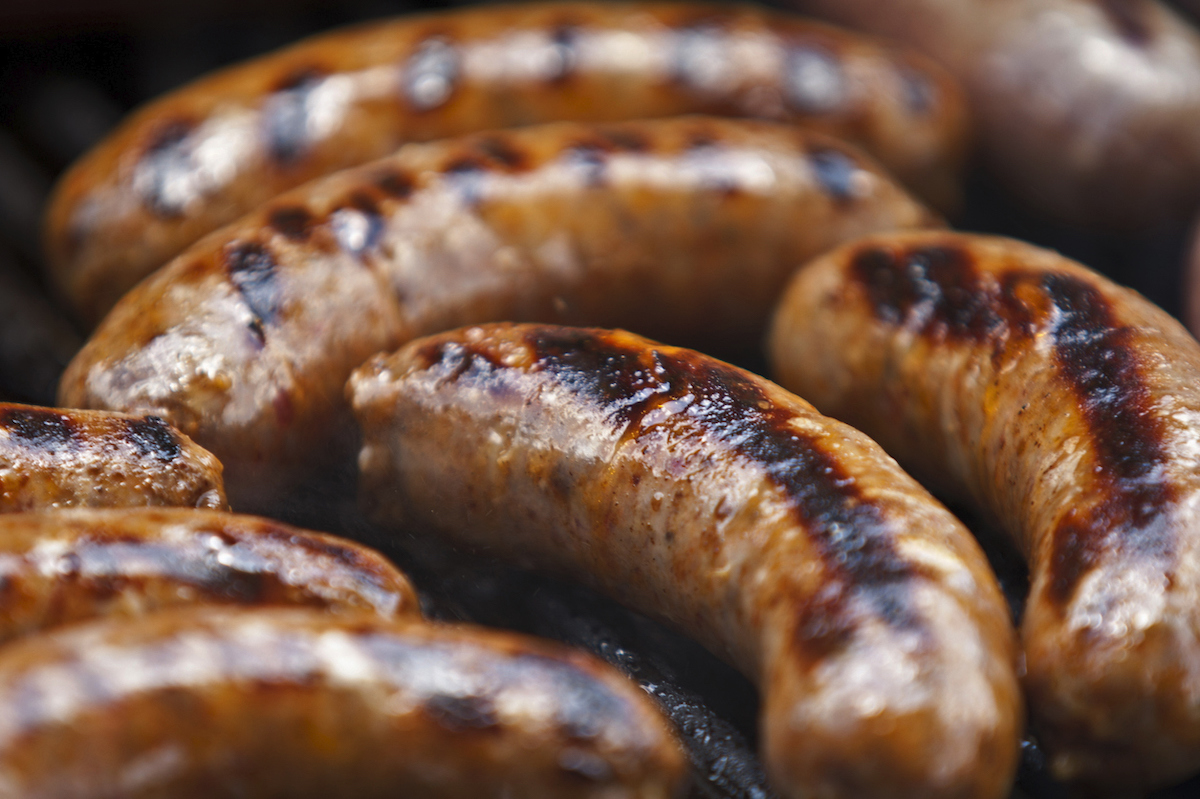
(1066, 408)
(1088, 109)
(787, 543)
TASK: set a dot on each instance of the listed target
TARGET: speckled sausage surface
(1088, 109)
(686, 229)
(62, 567)
(1067, 408)
(223, 702)
(54, 458)
(784, 541)
(213, 151)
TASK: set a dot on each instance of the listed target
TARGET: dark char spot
(565, 42)
(1130, 18)
(293, 221)
(835, 171)
(461, 713)
(286, 115)
(395, 183)
(40, 428)
(627, 140)
(153, 437)
(500, 150)
(467, 174)
(252, 270)
(591, 159)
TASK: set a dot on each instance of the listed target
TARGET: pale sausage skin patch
(786, 542)
(1066, 409)
(685, 229)
(201, 157)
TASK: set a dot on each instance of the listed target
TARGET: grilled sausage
(224, 702)
(1067, 409)
(1088, 109)
(70, 565)
(204, 156)
(684, 228)
(785, 542)
(52, 458)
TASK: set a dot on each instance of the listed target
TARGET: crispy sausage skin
(62, 567)
(1088, 109)
(786, 542)
(216, 702)
(52, 458)
(685, 228)
(211, 152)
(1068, 409)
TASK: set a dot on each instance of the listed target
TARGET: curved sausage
(209, 153)
(57, 568)
(684, 228)
(696, 492)
(1068, 409)
(53, 458)
(205, 702)
(1088, 109)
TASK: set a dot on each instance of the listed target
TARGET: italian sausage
(57, 568)
(1066, 409)
(1088, 109)
(213, 151)
(52, 458)
(225, 702)
(787, 543)
(682, 228)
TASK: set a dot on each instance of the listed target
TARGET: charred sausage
(211, 152)
(62, 567)
(224, 702)
(1088, 109)
(684, 228)
(1067, 409)
(52, 458)
(786, 542)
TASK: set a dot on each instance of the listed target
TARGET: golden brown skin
(236, 702)
(1088, 109)
(54, 458)
(784, 541)
(62, 567)
(207, 154)
(1068, 409)
(685, 228)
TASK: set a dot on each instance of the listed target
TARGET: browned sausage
(1069, 410)
(684, 228)
(70, 565)
(234, 702)
(202, 157)
(1088, 109)
(51, 458)
(784, 541)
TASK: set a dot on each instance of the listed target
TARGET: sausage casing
(686, 229)
(1088, 109)
(70, 565)
(53, 458)
(204, 702)
(1066, 408)
(785, 542)
(209, 153)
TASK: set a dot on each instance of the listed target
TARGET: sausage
(213, 151)
(57, 568)
(684, 228)
(785, 542)
(53, 458)
(222, 702)
(1088, 109)
(1065, 409)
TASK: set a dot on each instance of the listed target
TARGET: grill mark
(627, 140)
(395, 183)
(1130, 19)
(286, 115)
(40, 428)
(251, 269)
(502, 151)
(153, 437)
(939, 293)
(294, 222)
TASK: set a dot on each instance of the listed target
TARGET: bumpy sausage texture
(52, 458)
(206, 155)
(57, 568)
(1068, 409)
(784, 541)
(686, 229)
(224, 702)
(1089, 109)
